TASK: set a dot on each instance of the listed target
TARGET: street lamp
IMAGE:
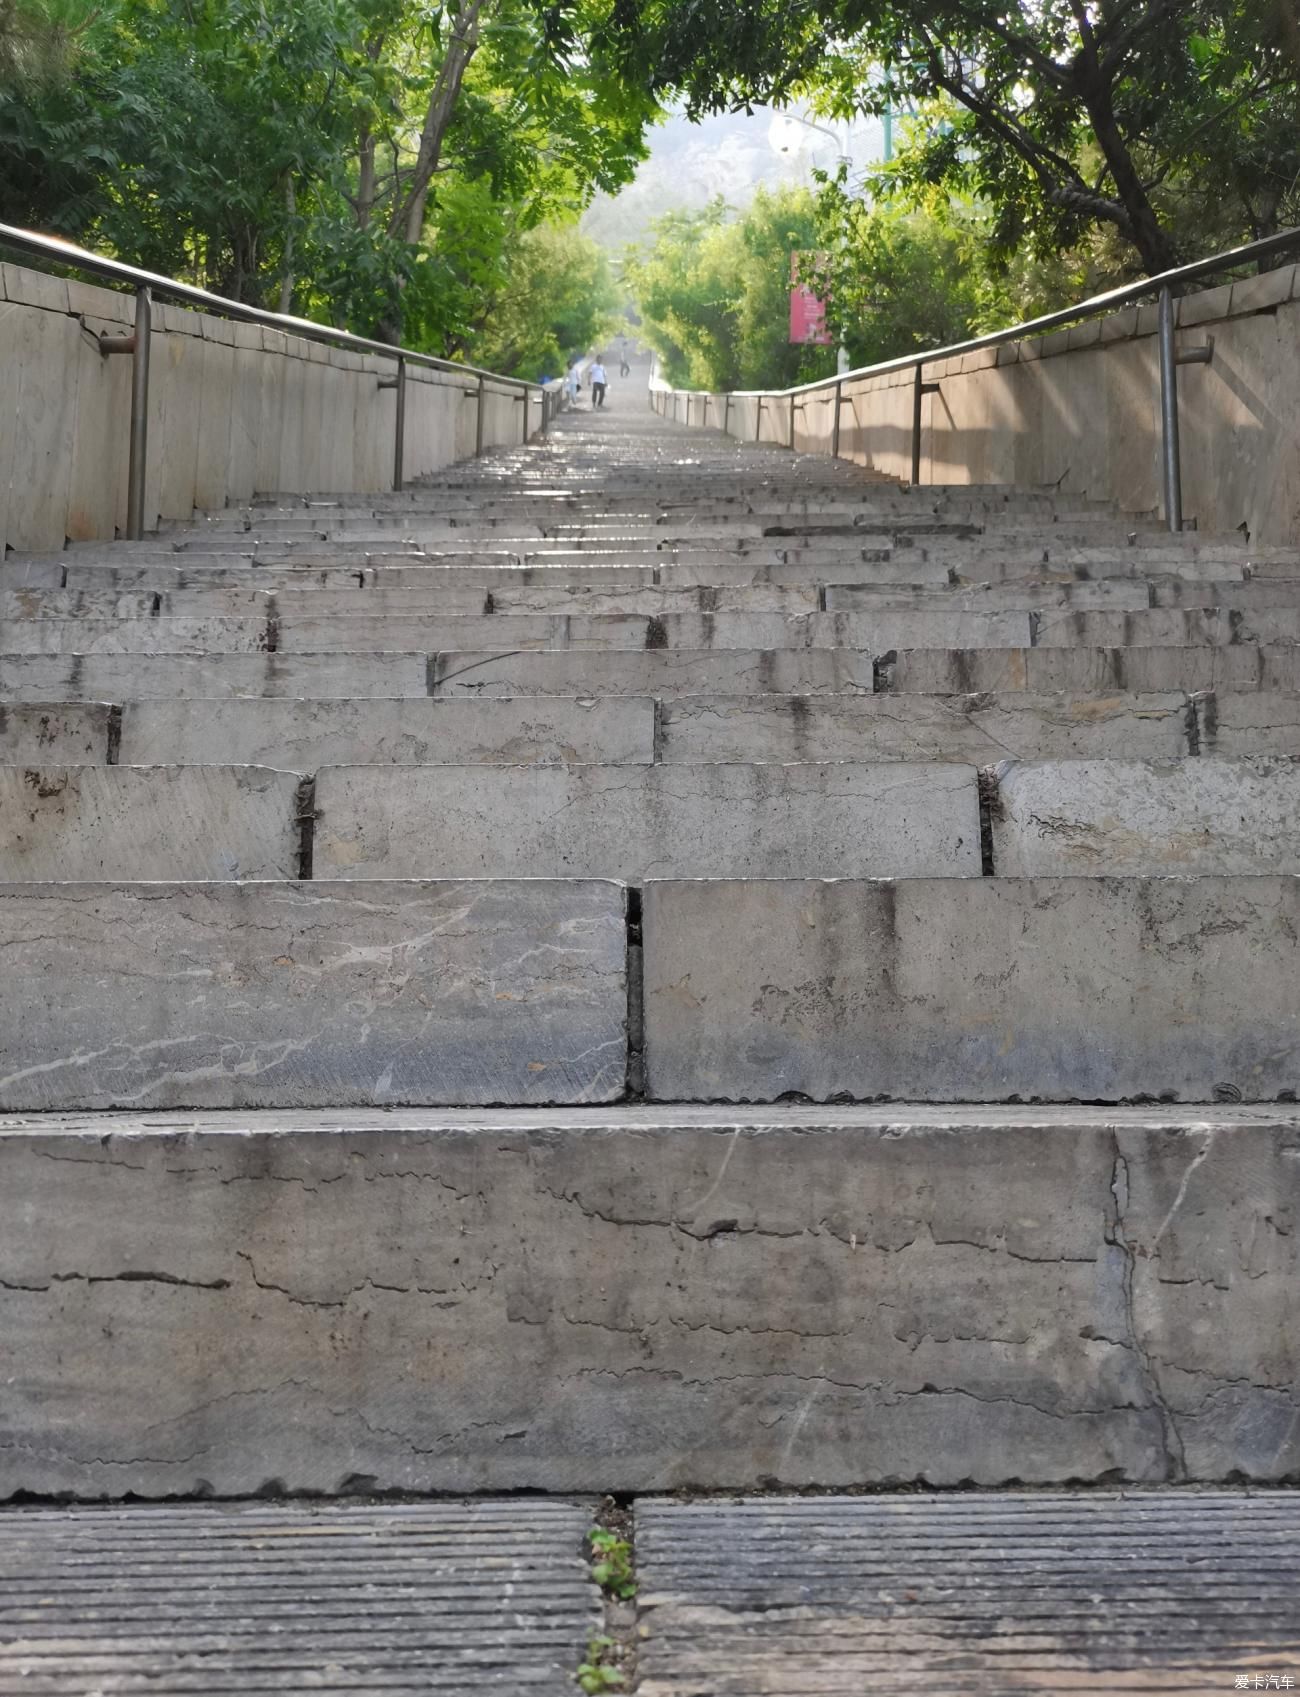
(778, 129)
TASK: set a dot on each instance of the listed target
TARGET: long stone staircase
(645, 963)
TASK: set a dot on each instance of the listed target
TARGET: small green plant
(597, 1673)
(611, 1565)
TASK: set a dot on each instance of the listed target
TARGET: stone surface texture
(641, 1299)
(311, 994)
(988, 989)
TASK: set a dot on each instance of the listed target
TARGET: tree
(1060, 114)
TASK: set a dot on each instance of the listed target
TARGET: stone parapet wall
(1080, 409)
(234, 409)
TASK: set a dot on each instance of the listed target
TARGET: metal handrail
(148, 285)
(1162, 284)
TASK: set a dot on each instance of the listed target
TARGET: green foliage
(611, 1567)
(597, 1673)
(376, 163)
(558, 299)
(713, 293)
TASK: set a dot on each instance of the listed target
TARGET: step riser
(797, 1303)
(936, 671)
(311, 995)
(989, 990)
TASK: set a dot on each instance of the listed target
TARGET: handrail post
(726, 415)
(478, 426)
(758, 420)
(1170, 455)
(835, 423)
(136, 472)
(792, 424)
(399, 427)
(918, 390)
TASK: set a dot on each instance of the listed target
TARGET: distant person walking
(572, 383)
(599, 383)
(624, 369)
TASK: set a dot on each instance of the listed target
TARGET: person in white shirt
(572, 383)
(599, 382)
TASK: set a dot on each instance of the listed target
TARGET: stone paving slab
(453, 1596)
(304, 735)
(641, 1298)
(209, 822)
(978, 729)
(982, 989)
(288, 994)
(1147, 819)
(61, 733)
(836, 820)
(1172, 1592)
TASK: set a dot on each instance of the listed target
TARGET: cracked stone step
(130, 677)
(984, 989)
(664, 673)
(100, 821)
(786, 1296)
(964, 671)
(311, 994)
(1142, 818)
(629, 822)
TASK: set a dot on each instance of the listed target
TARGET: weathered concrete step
(137, 636)
(967, 671)
(474, 1594)
(1265, 722)
(789, 1295)
(988, 1595)
(133, 677)
(1184, 628)
(303, 735)
(1142, 818)
(981, 989)
(317, 995)
(975, 729)
(61, 733)
(1017, 596)
(665, 673)
(873, 633)
(839, 820)
(429, 577)
(210, 822)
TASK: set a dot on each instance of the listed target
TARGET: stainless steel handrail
(150, 286)
(1162, 285)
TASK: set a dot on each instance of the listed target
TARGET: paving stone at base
(705, 820)
(308, 994)
(979, 729)
(640, 1299)
(55, 733)
(987, 1595)
(391, 1598)
(210, 822)
(983, 989)
(664, 673)
(133, 677)
(1136, 818)
(304, 735)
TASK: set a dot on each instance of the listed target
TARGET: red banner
(807, 311)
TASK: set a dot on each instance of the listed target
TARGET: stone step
(414, 730)
(132, 677)
(325, 994)
(1264, 722)
(981, 989)
(874, 633)
(59, 733)
(100, 821)
(1142, 818)
(664, 673)
(137, 636)
(967, 671)
(787, 1296)
(969, 729)
(710, 820)
(1160, 626)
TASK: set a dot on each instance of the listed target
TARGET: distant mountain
(729, 155)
